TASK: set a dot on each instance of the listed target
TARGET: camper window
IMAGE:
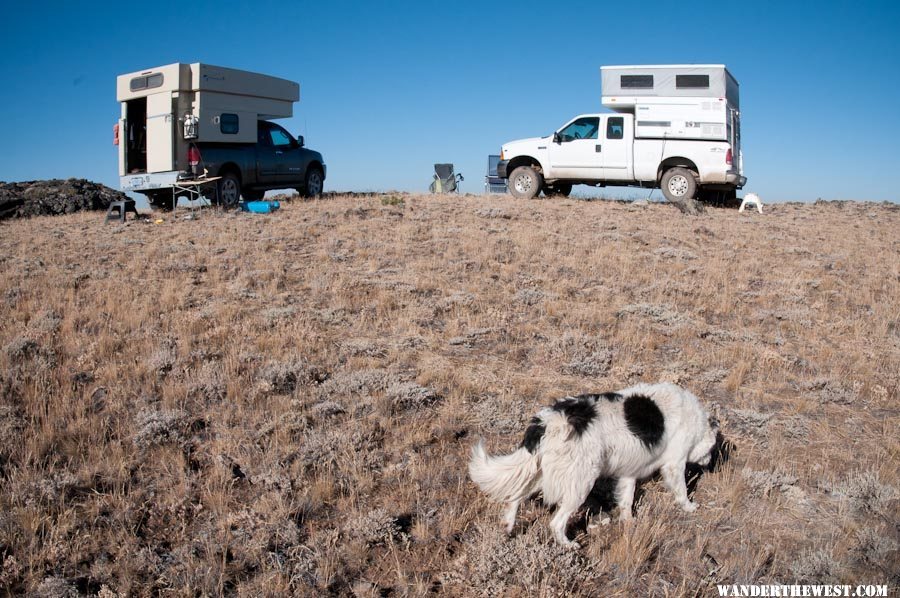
(148, 82)
(692, 81)
(229, 124)
(636, 81)
(615, 127)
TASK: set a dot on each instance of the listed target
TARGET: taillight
(116, 134)
(194, 155)
(728, 157)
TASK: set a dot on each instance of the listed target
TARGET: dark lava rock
(56, 196)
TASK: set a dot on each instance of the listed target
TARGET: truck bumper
(733, 178)
(501, 169)
(148, 182)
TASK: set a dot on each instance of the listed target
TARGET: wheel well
(523, 161)
(675, 162)
(317, 165)
(232, 168)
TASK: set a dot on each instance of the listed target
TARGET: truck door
(266, 159)
(160, 133)
(615, 149)
(575, 153)
(287, 155)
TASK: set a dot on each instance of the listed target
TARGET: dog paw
(601, 520)
(689, 507)
(571, 545)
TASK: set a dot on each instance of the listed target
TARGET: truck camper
(184, 121)
(674, 127)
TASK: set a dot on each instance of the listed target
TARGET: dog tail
(504, 478)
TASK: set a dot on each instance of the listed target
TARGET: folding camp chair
(493, 183)
(444, 179)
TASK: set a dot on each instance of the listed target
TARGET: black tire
(228, 190)
(252, 194)
(314, 182)
(557, 190)
(720, 198)
(678, 184)
(730, 199)
(162, 202)
(525, 182)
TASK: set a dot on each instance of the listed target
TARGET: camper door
(160, 132)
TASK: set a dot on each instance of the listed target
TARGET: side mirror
(300, 141)
(556, 137)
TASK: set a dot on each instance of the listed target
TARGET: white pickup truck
(676, 127)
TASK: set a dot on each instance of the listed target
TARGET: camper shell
(625, 85)
(166, 109)
(675, 101)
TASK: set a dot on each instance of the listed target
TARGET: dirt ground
(284, 404)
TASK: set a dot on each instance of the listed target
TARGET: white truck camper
(172, 115)
(675, 127)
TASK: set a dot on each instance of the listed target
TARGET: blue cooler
(260, 207)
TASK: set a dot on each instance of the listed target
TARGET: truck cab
(589, 148)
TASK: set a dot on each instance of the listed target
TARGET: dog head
(702, 451)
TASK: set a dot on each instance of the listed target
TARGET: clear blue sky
(388, 89)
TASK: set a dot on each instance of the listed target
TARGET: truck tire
(678, 184)
(525, 182)
(557, 189)
(717, 197)
(229, 190)
(314, 182)
(161, 201)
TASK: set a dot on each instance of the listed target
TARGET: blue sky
(388, 89)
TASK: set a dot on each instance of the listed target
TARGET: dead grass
(284, 404)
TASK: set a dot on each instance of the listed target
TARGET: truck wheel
(525, 182)
(229, 188)
(160, 201)
(730, 199)
(678, 184)
(314, 182)
(557, 189)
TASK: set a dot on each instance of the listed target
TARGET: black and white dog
(629, 435)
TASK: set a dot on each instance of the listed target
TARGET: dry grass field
(275, 405)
